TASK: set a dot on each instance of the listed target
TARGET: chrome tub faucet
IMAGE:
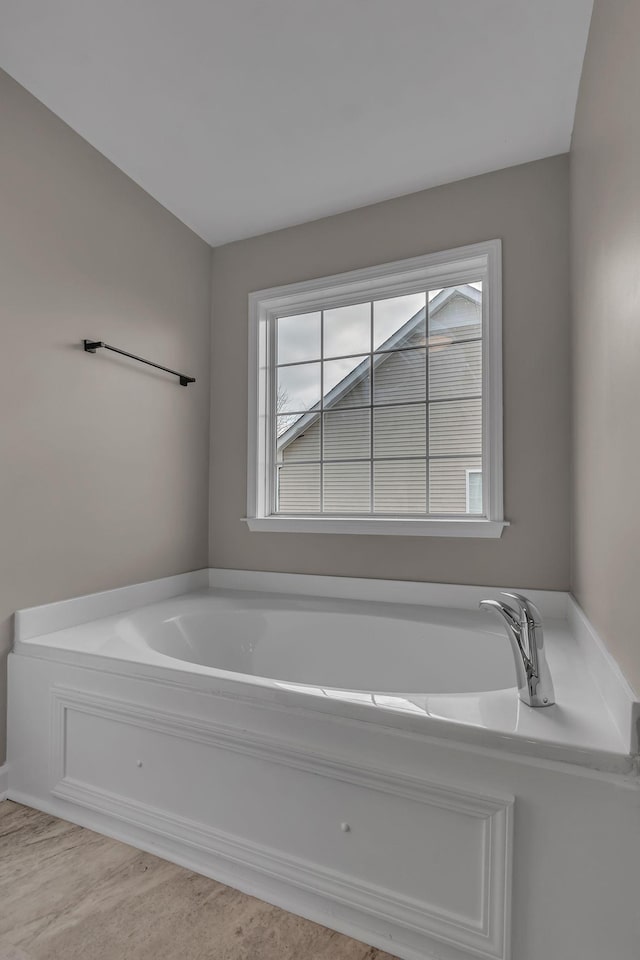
(524, 629)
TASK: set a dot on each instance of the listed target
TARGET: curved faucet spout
(524, 630)
(506, 612)
(514, 635)
(525, 607)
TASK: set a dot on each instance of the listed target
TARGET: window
(474, 491)
(375, 400)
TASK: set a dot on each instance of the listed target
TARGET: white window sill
(464, 527)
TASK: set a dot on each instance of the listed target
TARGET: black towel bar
(91, 346)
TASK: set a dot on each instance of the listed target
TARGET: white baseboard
(4, 781)
(617, 693)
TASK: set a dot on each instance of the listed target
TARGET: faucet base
(535, 700)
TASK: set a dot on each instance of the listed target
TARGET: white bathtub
(341, 644)
(446, 670)
(355, 758)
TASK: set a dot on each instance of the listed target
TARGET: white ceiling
(242, 116)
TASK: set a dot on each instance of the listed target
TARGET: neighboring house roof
(352, 379)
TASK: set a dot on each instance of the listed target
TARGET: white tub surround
(622, 701)
(409, 655)
(36, 621)
(350, 750)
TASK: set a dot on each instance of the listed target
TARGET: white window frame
(467, 491)
(478, 261)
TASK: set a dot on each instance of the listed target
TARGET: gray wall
(605, 237)
(527, 207)
(103, 463)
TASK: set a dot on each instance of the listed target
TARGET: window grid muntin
(372, 394)
(392, 403)
(427, 317)
(321, 414)
(320, 411)
(375, 353)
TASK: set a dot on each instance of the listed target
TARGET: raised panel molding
(486, 935)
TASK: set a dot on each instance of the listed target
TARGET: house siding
(347, 434)
(347, 487)
(400, 376)
(400, 486)
(448, 484)
(299, 488)
(304, 447)
(455, 428)
(459, 319)
(455, 371)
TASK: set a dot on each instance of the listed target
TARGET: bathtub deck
(70, 894)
